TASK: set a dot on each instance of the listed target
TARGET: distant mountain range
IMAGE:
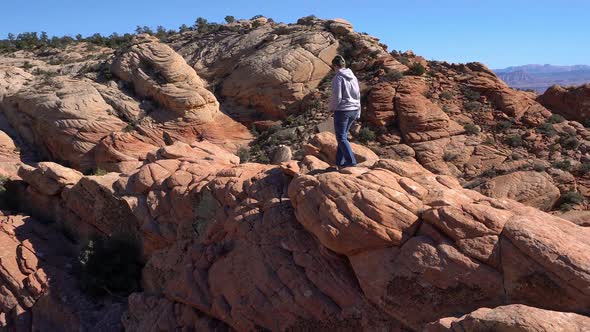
(540, 77)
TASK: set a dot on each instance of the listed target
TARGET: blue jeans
(342, 122)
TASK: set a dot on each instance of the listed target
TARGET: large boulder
(380, 102)
(419, 119)
(513, 318)
(188, 111)
(156, 71)
(416, 240)
(49, 178)
(581, 218)
(461, 156)
(534, 189)
(340, 26)
(516, 104)
(64, 122)
(269, 68)
(324, 147)
(571, 102)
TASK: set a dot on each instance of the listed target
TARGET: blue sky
(498, 33)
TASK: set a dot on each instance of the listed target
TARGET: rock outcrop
(324, 146)
(87, 125)
(155, 71)
(65, 122)
(245, 246)
(514, 103)
(269, 69)
(418, 118)
(531, 188)
(571, 102)
(517, 318)
(401, 226)
(38, 289)
(380, 109)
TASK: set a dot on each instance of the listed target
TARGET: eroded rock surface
(517, 318)
(324, 147)
(571, 102)
(270, 69)
(38, 290)
(531, 188)
(252, 246)
(89, 124)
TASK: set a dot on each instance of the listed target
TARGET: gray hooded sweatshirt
(345, 92)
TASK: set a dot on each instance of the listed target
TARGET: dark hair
(339, 61)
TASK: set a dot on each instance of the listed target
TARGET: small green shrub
(254, 131)
(315, 105)
(489, 141)
(538, 167)
(447, 95)
(447, 109)
(569, 143)
(472, 106)
(27, 65)
(417, 69)
(566, 207)
(450, 156)
(504, 125)
(514, 141)
(490, 173)
(244, 154)
(99, 172)
(263, 158)
(547, 129)
(584, 168)
(271, 141)
(565, 164)
(110, 266)
(365, 135)
(555, 118)
(404, 60)
(471, 95)
(471, 129)
(393, 75)
(374, 54)
(105, 73)
(289, 120)
(130, 127)
(255, 149)
(569, 199)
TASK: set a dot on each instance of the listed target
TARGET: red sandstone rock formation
(571, 102)
(251, 247)
(391, 245)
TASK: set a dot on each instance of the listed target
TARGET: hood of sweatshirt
(346, 74)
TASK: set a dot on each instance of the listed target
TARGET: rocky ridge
(252, 246)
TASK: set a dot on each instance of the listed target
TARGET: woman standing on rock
(346, 105)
